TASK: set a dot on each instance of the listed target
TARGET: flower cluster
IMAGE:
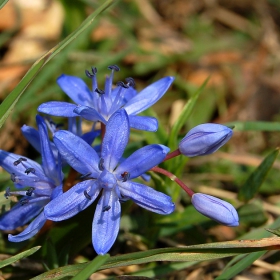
(105, 173)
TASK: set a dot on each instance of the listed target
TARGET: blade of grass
(91, 267)
(8, 104)
(3, 3)
(19, 256)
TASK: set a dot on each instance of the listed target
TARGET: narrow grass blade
(8, 104)
(91, 267)
(201, 252)
(19, 256)
(186, 112)
(3, 3)
(255, 180)
(255, 126)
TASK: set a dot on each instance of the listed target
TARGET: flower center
(107, 180)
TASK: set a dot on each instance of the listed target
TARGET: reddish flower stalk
(173, 178)
(172, 155)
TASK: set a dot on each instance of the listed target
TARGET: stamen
(87, 195)
(30, 191)
(99, 91)
(114, 67)
(7, 193)
(106, 208)
(17, 162)
(91, 74)
(24, 201)
(130, 82)
(125, 176)
(122, 84)
(85, 175)
(13, 177)
(29, 170)
(101, 164)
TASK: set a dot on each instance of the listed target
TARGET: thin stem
(172, 155)
(173, 178)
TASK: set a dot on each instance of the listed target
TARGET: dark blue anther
(114, 67)
(17, 162)
(101, 164)
(106, 208)
(29, 170)
(99, 91)
(87, 195)
(122, 84)
(125, 176)
(7, 193)
(92, 73)
(23, 201)
(30, 191)
(13, 177)
(130, 82)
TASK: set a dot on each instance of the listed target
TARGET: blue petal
(90, 136)
(142, 160)
(148, 96)
(48, 161)
(20, 215)
(30, 231)
(7, 162)
(143, 123)
(105, 226)
(72, 202)
(89, 113)
(58, 108)
(32, 136)
(76, 89)
(77, 153)
(115, 139)
(147, 197)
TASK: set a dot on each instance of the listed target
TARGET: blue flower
(216, 209)
(106, 175)
(204, 139)
(100, 105)
(44, 182)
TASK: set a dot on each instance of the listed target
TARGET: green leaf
(186, 112)
(10, 101)
(200, 252)
(255, 180)
(91, 267)
(240, 266)
(255, 126)
(19, 256)
(274, 231)
(3, 3)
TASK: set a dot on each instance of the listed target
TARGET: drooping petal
(70, 203)
(115, 139)
(142, 160)
(216, 209)
(76, 89)
(31, 230)
(20, 215)
(106, 222)
(48, 160)
(58, 108)
(32, 136)
(147, 197)
(76, 152)
(148, 96)
(143, 123)
(89, 113)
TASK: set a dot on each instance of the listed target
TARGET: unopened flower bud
(215, 209)
(204, 139)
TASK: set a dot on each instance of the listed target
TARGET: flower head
(107, 174)
(44, 182)
(216, 209)
(100, 105)
(204, 139)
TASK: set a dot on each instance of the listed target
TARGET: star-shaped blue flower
(44, 182)
(107, 176)
(100, 105)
